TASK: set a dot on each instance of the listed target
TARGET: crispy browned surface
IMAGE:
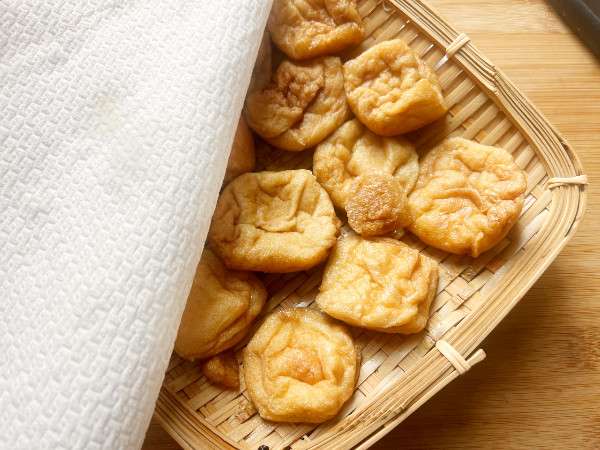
(222, 369)
(378, 206)
(241, 158)
(220, 308)
(352, 151)
(300, 366)
(306, 29)
(391, 90)
(467, 197)
(302, 105)
(274, 222)
(379, 283)
(279, 106)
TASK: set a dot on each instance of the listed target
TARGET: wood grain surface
(539, 388)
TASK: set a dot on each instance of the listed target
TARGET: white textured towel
(116, 119)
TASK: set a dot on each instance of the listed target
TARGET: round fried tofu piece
(242, 157)
(307, 29)
(378, 206)
(380, 283)
(220, 309)
(353, 151)
(302, 105)
(223, 370)
(274, 222)
(391, 90)
(300, 366)
(467, 197)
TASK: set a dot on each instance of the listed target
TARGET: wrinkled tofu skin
(381, 284)
(220, 309)
(353, 151)
(222, 370)
(378, 206)
(391, 90)
(302, 105)
(274, 222)
(306, 29)
(300, 366)
(467, 197)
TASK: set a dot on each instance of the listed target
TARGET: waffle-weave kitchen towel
(116, 119)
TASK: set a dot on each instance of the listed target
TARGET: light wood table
(539, 388)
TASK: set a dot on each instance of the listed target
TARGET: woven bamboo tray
(400, 373)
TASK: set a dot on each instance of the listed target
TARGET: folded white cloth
(116, 119)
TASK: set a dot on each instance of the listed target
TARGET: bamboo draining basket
(399, 373)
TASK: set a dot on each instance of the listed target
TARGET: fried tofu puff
(467, 197)
(242, 157)
(300, 366)
(302, 105)
(381, 284)
(273, 222)
(391, 90)
(220, 308)
(378, 206)
(307, 29)
(352, 151)
(223, 370)
(368, 176)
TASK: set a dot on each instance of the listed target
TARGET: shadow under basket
(400, 373)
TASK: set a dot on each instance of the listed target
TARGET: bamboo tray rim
(567, 206)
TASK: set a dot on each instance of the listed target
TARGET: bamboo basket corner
(400, 373)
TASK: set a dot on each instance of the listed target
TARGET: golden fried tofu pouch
(353, 151)
(273, 222)
(307, 29)
(392, 90)
(378, 206)
(300, 366)
(302, 105)
(380, 283)
(223, 370)
(468, 196)
(220, 309)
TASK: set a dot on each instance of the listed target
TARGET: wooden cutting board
(539, 387)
